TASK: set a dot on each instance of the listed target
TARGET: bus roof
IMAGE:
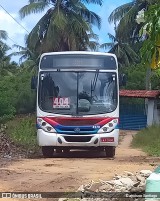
(78, 52)
(85, 59)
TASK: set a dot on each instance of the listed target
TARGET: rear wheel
(47, 151)
(110, 152)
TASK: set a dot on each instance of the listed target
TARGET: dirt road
(66, 173)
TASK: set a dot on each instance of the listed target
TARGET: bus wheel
(110, 151)
(47, 151)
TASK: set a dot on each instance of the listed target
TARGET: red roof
(140, 93)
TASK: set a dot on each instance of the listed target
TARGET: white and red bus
(77, 102)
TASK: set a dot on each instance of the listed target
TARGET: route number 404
(61, 102)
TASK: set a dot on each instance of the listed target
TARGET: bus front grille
(77, 138)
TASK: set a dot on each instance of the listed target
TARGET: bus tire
(110, 151)
(47, 151)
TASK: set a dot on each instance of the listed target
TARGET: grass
(22, 132)
(148, 140)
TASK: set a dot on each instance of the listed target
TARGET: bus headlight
(110, 126)
(45, 126)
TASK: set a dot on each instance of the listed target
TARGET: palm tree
(128, 29)
(24, 53)
(6, 66)
(3, 35)
(3, 46)
(65, 26)
(28, 60)
(125, 54)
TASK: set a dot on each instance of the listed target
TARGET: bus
(77, 102)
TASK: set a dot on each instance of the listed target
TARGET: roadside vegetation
(22, 131)
(148, 140)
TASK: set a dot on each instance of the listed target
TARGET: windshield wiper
(93, 84)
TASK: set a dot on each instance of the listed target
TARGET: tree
(6, 67)
(3, 35)
(150, 31)
(151, 46)
(125, 54)
(128, 29)
(3, 46)
(65, 26)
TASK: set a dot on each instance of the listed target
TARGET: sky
(17, 33)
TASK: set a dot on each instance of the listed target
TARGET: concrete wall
(156, 118)
(153, 113)
(150, 112)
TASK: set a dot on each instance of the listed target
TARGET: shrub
(148, 140)
(23, 132)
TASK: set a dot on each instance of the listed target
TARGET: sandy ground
(66, 173)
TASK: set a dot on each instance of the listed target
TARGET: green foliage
(148, 140)
(25, 102)
(33, 7)
(22, 131)
(16, 95)
(6, 117)
(125, 15)
(135, 77)
(25, 54)
(151, 46)
(3, 34)
(155, 79)
(123, 50)
(6, 108)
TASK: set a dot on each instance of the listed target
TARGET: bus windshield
(77, 93)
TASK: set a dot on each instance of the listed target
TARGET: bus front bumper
(66, 140)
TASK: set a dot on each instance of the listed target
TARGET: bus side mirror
(122, 80)
(34, 82)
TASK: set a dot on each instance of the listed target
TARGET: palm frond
(91, 17)
(99, 2)
(107, 45)
(119, 12)
(112, 38)
(134, 57)
(3, 35)
(33, 8)
(93, 45)
(19, 47)
(38, 32)
(113, 49)
(93, 36)
(126, 60)
(59, 19)
(37, 1)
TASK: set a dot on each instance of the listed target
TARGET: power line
(15, 43)
(14, 18)
(12, 40)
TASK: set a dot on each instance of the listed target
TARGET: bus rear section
(77, 102)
